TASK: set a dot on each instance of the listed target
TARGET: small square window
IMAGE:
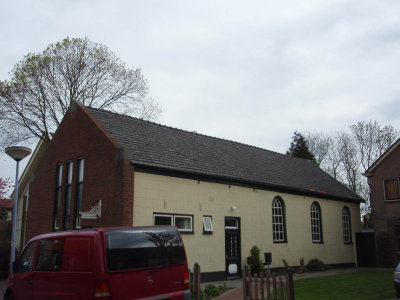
(184, 223)
(207, 224)
(163, 220)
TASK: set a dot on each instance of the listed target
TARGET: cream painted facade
(165, 194)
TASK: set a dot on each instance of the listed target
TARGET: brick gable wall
(386, 214)
(108, 175)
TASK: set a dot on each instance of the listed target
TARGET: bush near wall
(5, 244)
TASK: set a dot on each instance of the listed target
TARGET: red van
(110, 263)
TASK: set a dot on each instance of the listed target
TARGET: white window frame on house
(170, 217)
(316, 223)
(278, 221)
(207, 224)
(346, 223)
(79, 191)
(174, 218)
(69, 168)
(57, 197)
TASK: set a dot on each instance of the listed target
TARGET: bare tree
(347, 155)
(333, 161)
(35, 99)
(347, 151)
(319, 144)
(372, 140)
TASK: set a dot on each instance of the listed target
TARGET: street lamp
(18, 154)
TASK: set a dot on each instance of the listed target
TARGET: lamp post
(18, 154)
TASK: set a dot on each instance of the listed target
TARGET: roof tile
(155, 145)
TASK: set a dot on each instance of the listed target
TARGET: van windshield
(143, 247)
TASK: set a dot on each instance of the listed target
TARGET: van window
(25, 262)
(49, 255)
(132, 248)
(76, 254)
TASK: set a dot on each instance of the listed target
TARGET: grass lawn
(373, 285)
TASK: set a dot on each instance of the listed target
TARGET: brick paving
(235, 294)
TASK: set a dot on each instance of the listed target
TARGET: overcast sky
(248, 71)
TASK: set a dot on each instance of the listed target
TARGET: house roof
(159, 147)
(394, 146)
(6, 203)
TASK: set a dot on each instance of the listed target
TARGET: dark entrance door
(365, 247)
(232, 247)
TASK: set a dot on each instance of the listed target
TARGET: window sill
(315, 242)
(392, 201)
(280, 242)
(186, 232)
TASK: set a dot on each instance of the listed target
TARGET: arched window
(346, 222)
(316, 223)
(278, 221)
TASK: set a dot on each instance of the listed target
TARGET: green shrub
(257, 267)
(316, 265)
(223, 288)
(211, 290)
(302, 264)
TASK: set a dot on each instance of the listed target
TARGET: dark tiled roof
(157, 146)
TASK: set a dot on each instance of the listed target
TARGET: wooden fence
(195, 282)
(268, 287)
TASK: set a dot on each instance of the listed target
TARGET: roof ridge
(190, 132)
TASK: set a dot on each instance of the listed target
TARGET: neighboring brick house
(6, 208)
(383, 178)
(224, 196)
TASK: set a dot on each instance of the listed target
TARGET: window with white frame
(57, 198)
(316, 224)
(278, 221)
(68, 193)
(183, 222)
(207, 224)
(231, 223)
(346, 222)
(79, 191)
(164, 220)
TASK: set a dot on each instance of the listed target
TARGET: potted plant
(302, 266)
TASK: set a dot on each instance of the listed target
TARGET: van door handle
(29, 282)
